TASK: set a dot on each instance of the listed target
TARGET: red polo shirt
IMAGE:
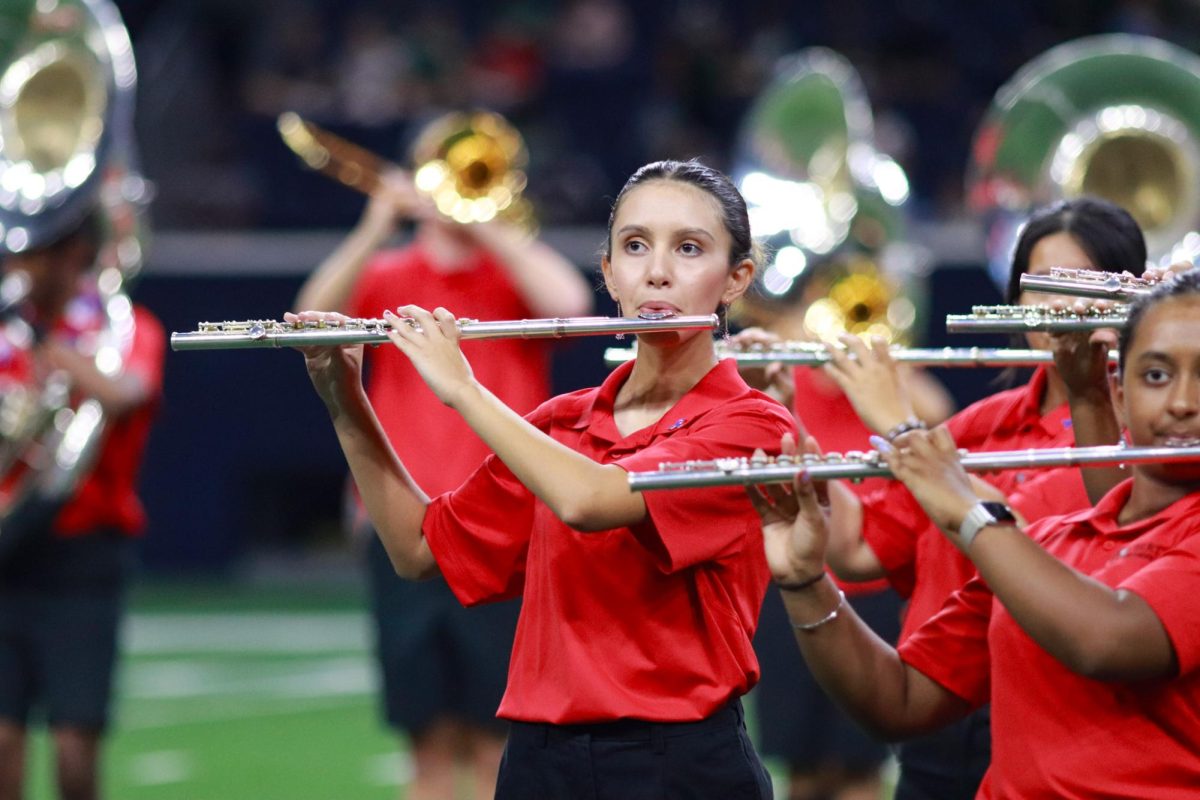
(515, 370)
(921, 563)
(106, 496)
(1056, 734)
(653, 622)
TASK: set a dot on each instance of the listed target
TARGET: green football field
(227, 692)
(233, 692)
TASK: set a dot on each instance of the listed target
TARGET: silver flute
(812, 354)
(1088, 283)
(1024, 319)
(856, 465)
(272, 333)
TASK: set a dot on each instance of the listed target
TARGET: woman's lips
(653, 311)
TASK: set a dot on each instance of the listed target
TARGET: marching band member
(829, 756)
(1081, 631)
(442, 666)
(62, 588)
(885, 532)
(633, 645)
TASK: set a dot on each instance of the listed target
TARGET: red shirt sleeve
(479, 534)
(1171, 585)
(952, 647)
(892, 522)
(679, 526)
(146, 356)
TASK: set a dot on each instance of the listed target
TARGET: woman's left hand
(928, 464)
(432, 345)
(1081, 357)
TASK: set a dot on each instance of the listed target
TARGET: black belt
(631, 730)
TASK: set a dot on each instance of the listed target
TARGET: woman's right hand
(773, 378)
(330, 368)
(794, 521)
(871, 382)
(395, 199)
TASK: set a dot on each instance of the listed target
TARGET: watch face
(999, 512)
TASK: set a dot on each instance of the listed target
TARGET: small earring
(619, 336)
(723, 313)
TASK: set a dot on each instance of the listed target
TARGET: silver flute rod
(1026, 319)
(270, 333)
(1110, 288)
(915, 356)
(748, 472)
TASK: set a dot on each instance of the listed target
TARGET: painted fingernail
(881, 444)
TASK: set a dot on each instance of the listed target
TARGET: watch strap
(981, 515)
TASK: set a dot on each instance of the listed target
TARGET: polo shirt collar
(594, 409)
(1102, 519)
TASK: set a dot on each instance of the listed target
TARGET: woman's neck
(661, 375)
(447, 252)
(1151, 495)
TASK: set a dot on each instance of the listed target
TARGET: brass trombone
(857, 465)
(470, 165)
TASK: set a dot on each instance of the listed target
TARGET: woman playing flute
(885, 532)
(1083, 631)
(633, 644)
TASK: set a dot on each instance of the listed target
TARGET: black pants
(634, 760)
(948, 764)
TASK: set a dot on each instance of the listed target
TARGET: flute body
(810, 354)
(1024, 319)
(1088, 283)
(272, 333)
(856, 465)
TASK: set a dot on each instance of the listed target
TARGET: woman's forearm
(582, 493)
(393, 500)
(864, 674)
(1090, 628)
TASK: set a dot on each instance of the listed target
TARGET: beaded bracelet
(910, 424)
(830, 617)
(799, 585)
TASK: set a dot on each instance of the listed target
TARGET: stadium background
(246, 672)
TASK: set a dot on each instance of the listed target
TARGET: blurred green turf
(236, 691)
(232, 692)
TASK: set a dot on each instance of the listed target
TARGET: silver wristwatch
(980, 516)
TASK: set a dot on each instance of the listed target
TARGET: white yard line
(252, 632)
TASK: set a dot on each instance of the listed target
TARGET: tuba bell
(824, 201)
(67, 78)
(1114, 116)
(470, 164)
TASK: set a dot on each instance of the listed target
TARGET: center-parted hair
(713, 182)
(1185, 284)
(1108, 234)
